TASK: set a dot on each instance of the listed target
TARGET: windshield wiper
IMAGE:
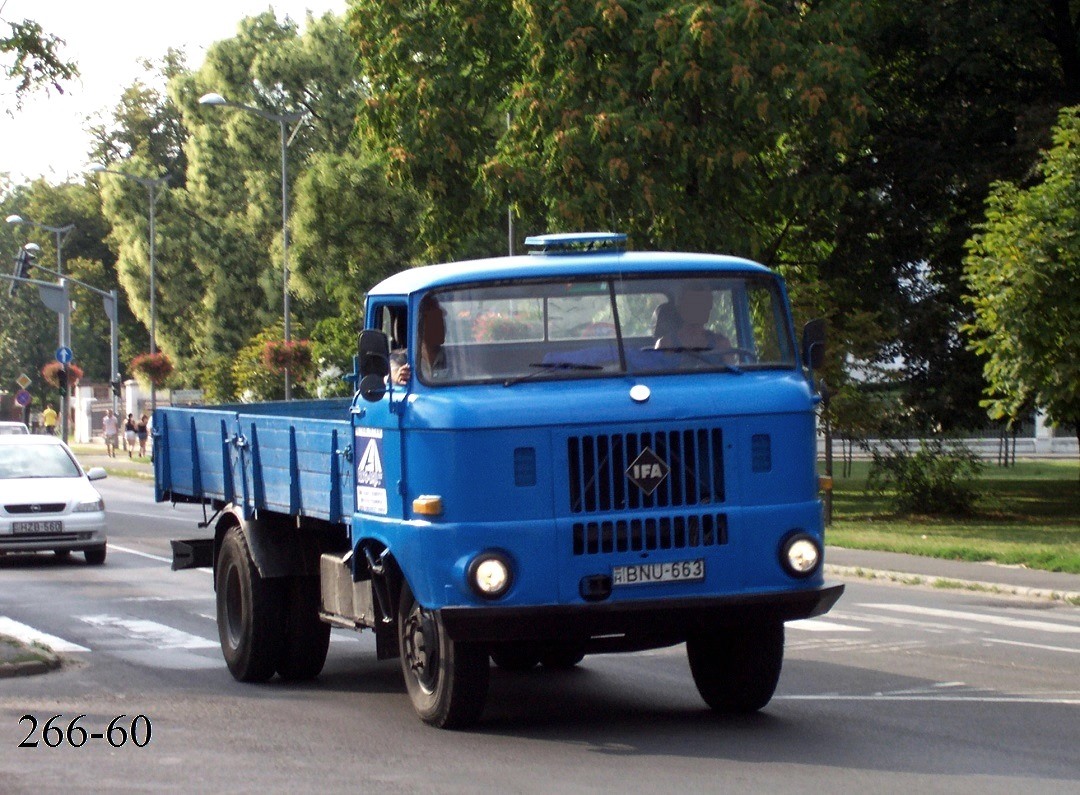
(546, 368)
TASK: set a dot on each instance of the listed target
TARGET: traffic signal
(115, 387)
(62, 380)
(23, 260)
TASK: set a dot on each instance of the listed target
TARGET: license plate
(37, 527)
(647, 573)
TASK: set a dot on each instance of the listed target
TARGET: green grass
(1027, 515)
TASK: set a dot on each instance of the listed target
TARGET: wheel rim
(421, 649)
(234, 606)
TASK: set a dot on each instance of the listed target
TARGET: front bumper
(634, 624)
(80, 532)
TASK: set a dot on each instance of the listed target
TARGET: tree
(86, 258)
(35, 59)
(967, 94)
(439, 74)
(1023, 270)
(219, 223)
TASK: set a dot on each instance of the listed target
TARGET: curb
(952, 583)
(48, 661)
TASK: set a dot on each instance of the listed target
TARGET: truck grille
(662, 532)
(598, 464)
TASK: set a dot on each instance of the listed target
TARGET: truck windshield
(557, 330)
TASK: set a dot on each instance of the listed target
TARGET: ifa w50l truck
(588, 450)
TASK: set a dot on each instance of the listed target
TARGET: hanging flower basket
(294, 356)
(152, 367)
(51, 374)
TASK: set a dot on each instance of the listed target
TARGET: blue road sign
(22, 397)
(63, 355)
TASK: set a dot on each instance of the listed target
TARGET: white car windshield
(36, 461)
(588, 328)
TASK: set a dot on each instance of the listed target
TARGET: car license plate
(37, 527)
(672, 571)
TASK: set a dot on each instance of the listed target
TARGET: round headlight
(800, 555)
(489, 575)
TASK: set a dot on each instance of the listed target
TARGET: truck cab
(592, 450)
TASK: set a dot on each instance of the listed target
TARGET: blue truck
(578, 450)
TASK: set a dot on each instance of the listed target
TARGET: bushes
(934, 478)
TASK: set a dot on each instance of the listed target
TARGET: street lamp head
(212, 99)
(99, 169)
(33, 248)
(15, 219)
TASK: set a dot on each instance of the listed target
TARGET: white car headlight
(90, 506)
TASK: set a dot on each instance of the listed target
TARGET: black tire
(307, 639)
(250, 612)
(562, 656)
(736, 668)
(515, 656)
(447, 680)
(95, 556)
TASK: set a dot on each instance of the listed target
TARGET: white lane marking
(1033, 645)
(130, 551)
(817, 625)
(139, 554)
(185, 519)
(1001, 621)
(158, 635)
(28, 634)
(933, 698)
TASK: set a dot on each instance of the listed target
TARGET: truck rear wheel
(307, 639)
(736, 669)
(249, 612)
(447, 680)
(515, 656)
(562, 656)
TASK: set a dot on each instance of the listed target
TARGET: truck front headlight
(490, 575)
(800, 554)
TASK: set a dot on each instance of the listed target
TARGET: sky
(107, 39)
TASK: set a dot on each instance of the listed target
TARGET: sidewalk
(93, 455)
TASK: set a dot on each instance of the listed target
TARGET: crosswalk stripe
(817, 625)
(28, 634)
(1001, 621)
(158, 635)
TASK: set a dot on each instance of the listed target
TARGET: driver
(694, 305)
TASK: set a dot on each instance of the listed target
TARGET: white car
(47, 501)
(13, 427)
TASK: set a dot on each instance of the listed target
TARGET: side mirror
(374, 355)
(813, 344)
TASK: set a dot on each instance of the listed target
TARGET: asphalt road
(899, 689)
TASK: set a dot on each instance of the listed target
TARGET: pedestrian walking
(130, 434)
(110, 429)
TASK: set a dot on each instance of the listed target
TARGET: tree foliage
(32, 59)
(1023, 271)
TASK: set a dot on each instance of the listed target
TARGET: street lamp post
(55, 298)
(283, 120)
(152, 185)
(61, 233)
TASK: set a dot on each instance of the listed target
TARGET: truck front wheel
(447, 680)
(249, 612)
(736, 668)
